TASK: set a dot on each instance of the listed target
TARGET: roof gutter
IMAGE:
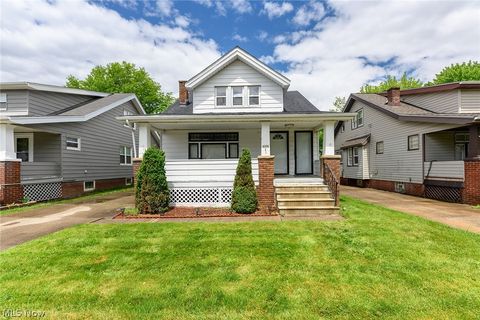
(334, 116)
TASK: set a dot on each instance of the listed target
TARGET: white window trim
(355, 124)
(6, 101)
(79, 148)
(88, 189)
(131, 156)
(30, 144)
(128, 183)
(227, 89)
(248, 96)
(242, 96)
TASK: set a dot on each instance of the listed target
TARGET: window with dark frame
(379, 147)
(213, 145)
(413, 142)
(357, 121)
(461, 145)
(73, 143)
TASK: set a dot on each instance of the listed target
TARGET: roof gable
(237, 54)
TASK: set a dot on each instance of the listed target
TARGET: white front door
(279, 148)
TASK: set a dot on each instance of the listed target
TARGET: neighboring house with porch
(422, 142)
(238, 102)
(60, 142)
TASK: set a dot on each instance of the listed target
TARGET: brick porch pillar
(135, 166)
(11, 190)
(333, 161)
(266, 190)
(471, 186)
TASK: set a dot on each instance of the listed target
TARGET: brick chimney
(182, 92)
(393, 96)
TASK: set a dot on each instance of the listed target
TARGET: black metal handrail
(332, 183)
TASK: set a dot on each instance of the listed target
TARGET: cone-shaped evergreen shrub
(151, 192)
(244, 196)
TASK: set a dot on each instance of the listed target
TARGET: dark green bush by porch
(244, 195)
(151, 192)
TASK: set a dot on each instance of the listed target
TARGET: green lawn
(377, 263)
(87, 197)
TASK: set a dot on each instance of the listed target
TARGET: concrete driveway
(456, 215)
(30, 224)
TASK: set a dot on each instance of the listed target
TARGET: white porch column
(7, 143)
(265, 139)
(328, 138)
(144, 139)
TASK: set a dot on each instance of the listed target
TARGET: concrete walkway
(456, 215)
(36, 222)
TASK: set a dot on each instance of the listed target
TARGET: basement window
(128, 181)
(89, 185)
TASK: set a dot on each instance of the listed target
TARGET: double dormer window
(237, 96)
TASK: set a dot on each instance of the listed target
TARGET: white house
(238, 102)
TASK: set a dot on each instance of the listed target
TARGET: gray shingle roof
(91, 106)
(402, 109)
(294, 103)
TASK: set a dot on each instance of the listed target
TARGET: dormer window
(237, 94)
(221, 96)
(253, 95)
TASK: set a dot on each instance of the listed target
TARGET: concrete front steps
(304, 197)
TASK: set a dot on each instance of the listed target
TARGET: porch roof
(235, 120)
(360, 141)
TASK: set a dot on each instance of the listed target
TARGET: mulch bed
(191, 212)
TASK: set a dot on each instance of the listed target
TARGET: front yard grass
(377, 263)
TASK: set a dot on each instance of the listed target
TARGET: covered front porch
(446, 153)
(202, 152)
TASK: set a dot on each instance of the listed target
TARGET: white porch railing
(450, 170)
(202, 182)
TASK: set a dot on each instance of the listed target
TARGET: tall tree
(458, 72)
(125, 77)
(338, 104)
(405, 82)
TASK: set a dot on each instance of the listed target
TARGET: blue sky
(326, 48)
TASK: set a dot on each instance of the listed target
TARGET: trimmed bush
(151, 189)
(244, 195)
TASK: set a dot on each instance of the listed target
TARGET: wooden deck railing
(332, 182)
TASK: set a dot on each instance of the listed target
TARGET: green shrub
(244, 195)
(151, 190)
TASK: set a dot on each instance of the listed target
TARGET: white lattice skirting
(208, 197)
(42, 191)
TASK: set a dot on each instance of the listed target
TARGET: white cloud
(275, 9)
(44, 42)
(241, 6)
(182, 21)
(312, 11)
(239, 38)
(342, 53)
(262, 35)
(164, 7)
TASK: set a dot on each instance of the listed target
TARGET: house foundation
(471, 188)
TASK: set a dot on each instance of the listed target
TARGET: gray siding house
(423, 142)
(66, 141)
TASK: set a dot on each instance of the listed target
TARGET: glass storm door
(279, 148)
(303, 152)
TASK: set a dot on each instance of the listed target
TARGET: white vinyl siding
(396, 163)
(238, 74)
(442, 102)
(470, 101)
(176, 145)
